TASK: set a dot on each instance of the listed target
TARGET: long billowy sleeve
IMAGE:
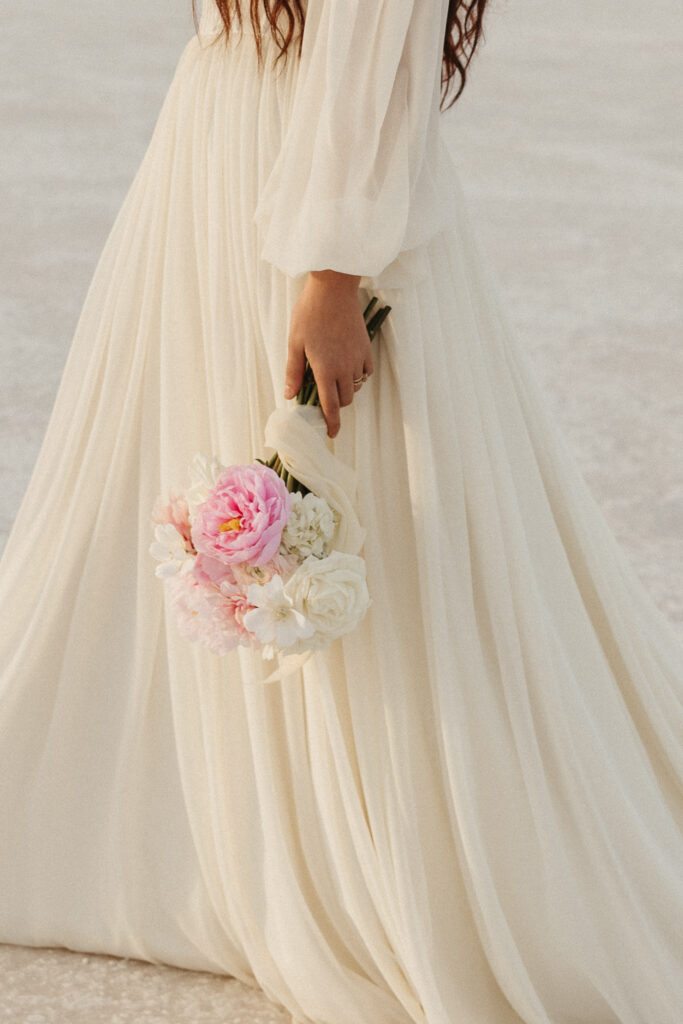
(356, 181)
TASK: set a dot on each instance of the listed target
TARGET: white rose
(310, 526)
(331, 592)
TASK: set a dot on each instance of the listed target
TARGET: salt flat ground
(568, 142)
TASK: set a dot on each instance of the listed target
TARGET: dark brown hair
(463, 30)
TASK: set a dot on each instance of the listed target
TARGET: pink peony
(243, 516)
(174, 511)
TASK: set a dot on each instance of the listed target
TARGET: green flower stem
(369, 306)
(377, 320)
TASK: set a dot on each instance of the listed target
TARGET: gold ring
(360, 380)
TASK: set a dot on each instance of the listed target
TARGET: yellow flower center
(231, 524)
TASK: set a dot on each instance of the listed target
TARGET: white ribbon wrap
(299, 434)
(289, 663)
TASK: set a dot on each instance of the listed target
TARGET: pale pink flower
(173, 510)
(238, 603)
(245, 574)
(203, 615)
(243, 516)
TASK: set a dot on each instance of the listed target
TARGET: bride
(468, 808)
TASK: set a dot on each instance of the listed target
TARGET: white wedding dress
(467, 811)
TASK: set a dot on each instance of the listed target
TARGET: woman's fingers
(334, 390)
(294, 373)
(368, 368)
(346, 389)
(347, 386)
(329, 401)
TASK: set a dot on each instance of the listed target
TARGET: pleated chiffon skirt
(467, 810)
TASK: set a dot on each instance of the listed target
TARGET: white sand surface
(568, 140)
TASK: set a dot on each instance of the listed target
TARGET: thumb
(294, 374)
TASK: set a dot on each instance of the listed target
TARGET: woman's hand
(328, 329)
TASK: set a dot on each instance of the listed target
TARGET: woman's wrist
(335, 279)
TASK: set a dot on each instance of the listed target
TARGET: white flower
(203, 476)
(310, 526)
(332, 594)
(274, 619)
(170, 551)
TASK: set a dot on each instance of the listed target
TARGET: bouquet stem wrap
(299, 435)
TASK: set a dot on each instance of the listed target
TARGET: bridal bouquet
(265, 555)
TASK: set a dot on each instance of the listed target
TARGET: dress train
(467, 810)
